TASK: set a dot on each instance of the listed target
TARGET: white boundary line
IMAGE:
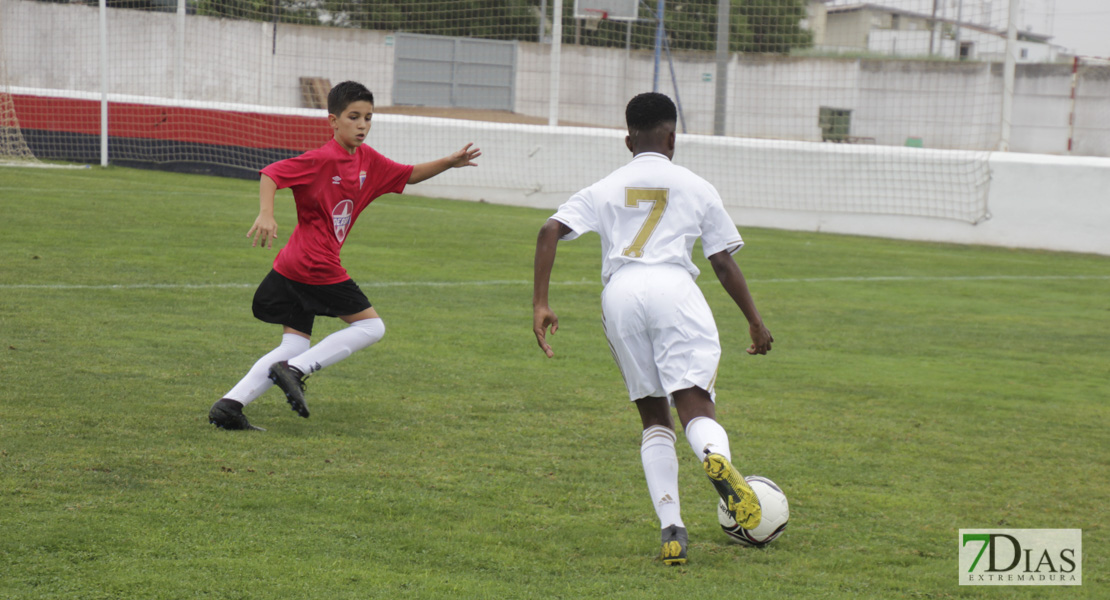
(524, 282)
(39, 165)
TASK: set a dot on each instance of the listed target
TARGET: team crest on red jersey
(341, 217)
(361, 179)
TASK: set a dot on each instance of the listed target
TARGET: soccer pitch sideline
(913, 390)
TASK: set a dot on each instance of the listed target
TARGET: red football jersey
(331, 188)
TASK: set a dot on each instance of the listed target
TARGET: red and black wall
(193, 140)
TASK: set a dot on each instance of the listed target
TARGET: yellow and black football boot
(738, 496)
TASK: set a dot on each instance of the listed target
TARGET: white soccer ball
(776, 513)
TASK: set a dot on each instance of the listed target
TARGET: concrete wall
(1034, 201)
(1037, 125)
(238, 62)
(947, 105)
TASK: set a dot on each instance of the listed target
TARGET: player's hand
(761, 339)
(542, 318)
(465, 157)
(264, 231)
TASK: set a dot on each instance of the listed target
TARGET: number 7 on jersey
(633, 197)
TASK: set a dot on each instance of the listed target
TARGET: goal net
(883, 107)
(13, 148)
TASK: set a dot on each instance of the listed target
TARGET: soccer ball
(776, 513)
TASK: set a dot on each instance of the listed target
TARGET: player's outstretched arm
(265, 227)
(547, 242)
(732, 279)
(462, 158)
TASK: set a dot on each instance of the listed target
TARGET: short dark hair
(649, 110)
(345, 94)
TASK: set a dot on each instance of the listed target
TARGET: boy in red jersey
(331, 186)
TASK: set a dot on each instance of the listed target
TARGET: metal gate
(432, 70)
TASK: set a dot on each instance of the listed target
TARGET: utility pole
(556, 67)
(658, 44)
(720, 97)
(959, 19)
(1009, 70)
(933, 29)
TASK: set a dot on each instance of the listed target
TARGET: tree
(770, 26)
(489, 19)
(756, 26)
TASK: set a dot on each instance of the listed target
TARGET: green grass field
(913, 390)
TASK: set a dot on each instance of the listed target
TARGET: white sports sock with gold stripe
(661, 470)
(704, 434)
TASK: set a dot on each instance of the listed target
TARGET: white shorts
(661, 331)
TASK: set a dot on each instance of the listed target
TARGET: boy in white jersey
(649, 213)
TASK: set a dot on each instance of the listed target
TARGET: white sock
(257, 379)
(661, 470)
(339, 345)
(704, 434)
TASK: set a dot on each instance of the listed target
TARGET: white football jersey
(651, 211)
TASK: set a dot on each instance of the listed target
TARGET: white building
(955, 29)
(1036, 16)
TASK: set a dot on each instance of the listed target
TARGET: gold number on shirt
(633, 198)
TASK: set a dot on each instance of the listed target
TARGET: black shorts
(282, 301)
